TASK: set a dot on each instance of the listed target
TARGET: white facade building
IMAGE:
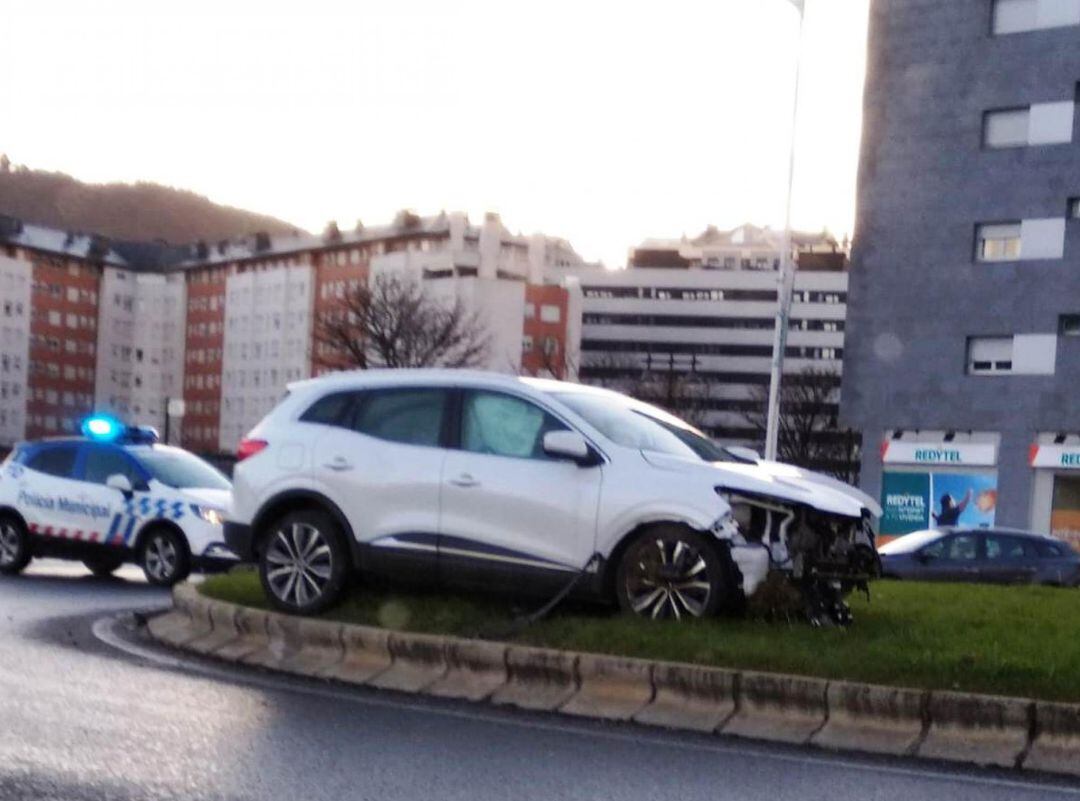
(15, 284)
(700, 323)
(140, 344)
(268, 325)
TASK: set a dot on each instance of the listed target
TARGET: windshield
(638, 425)
(182, 470)
(911, 542)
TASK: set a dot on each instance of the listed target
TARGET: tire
(671, 572)
(14, 546)
(303, 562)
(164, 557)
(104, 565)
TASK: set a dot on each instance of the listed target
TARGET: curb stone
(222, 629)
(866, 717)
(983, 729)
(1057, 739)
(476, 669)
(690, 697)
(419, 661)
(538, 678)
(366, 655)
(960, 727)
(610, 687)
(787, 709)
(252, 637)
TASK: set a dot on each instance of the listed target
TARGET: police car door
(46, 485)
(111, 507)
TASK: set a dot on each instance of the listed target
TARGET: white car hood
(755, 479)
(781, 470)
(213, 498)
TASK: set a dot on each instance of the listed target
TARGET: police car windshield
(182, 470)
(638, 425)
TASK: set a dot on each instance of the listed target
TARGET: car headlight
(212, 516)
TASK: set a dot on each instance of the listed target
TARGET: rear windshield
(182, 470)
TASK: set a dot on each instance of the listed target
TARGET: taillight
(249, 447)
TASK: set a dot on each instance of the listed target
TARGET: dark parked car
(997, 555)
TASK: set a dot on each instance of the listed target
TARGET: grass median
(1018, 641)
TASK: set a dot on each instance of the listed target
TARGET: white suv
(480, 480)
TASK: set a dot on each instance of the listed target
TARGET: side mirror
(566, 445)
(119, 481)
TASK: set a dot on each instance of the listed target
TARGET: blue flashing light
(102, 428)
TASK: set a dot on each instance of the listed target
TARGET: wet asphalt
(89, 709)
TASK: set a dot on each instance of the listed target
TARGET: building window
(1069, 325)
(997, 242)
(1038, 124)
(1021, 354)
(989, 355)
(526, 344)
(550, 313)
(1017, 16)
(1074, 208)
(530, 311)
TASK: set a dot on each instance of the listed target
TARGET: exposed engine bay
(824, 555)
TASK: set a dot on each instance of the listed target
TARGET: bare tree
(393, 322)
(810, 434)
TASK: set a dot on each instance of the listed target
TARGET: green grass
(1020, 641)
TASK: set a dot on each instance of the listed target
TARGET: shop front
(929, 483)
(1055, 506)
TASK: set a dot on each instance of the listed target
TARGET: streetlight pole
(787, 271)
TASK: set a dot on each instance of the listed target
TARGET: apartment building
(125, 327)
(964, 322)
(695, 317)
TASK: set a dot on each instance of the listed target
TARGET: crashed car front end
(825, 555)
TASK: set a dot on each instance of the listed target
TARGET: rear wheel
(104, 565)
(14, 546)
(164, 557)
(672, 572)
(303, 562)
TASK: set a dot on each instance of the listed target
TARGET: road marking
(103, 630)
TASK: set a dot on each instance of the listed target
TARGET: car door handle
(464, 480)
(339, 463)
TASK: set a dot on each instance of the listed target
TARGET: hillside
(142, 211)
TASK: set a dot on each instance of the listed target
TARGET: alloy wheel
(668, 578)
(9, 544)
(299, 564)
(161, 558)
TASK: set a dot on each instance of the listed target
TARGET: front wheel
(672, 572)
(165, 559)
(14, 546)
(303, 563)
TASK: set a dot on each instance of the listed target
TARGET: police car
(112, 496)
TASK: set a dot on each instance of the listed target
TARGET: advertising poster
(913, 501)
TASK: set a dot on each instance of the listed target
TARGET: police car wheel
(303, 562)
(671, 572)
(103, 565)
(14, 546)
(164, 557)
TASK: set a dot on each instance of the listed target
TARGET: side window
(999, 546)
(962, 547)
(503, 425)
(409, 416)
(936, 549)
(329, 410)
(1050, 550)
(102, 462)
(54, 460)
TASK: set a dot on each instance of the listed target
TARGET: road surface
(81, 718)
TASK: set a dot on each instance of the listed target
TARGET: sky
(604, 122)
